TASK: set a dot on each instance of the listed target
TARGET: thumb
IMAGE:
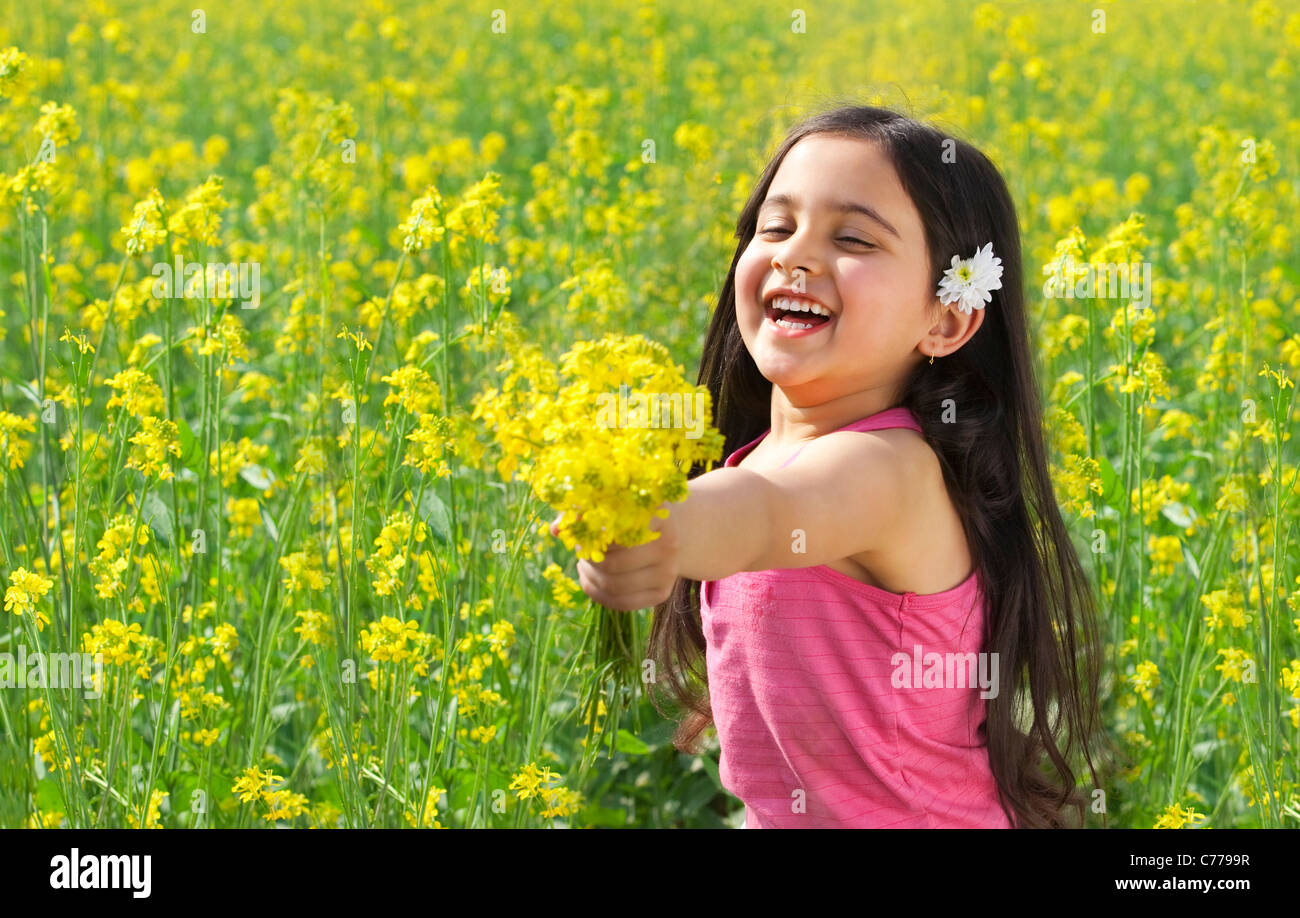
(555, 524)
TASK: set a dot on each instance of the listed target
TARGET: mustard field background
(321, 597)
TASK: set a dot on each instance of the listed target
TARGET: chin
(786, 373)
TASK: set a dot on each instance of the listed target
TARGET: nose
(795, 256)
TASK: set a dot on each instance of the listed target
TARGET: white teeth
(793, 304)
(785, 323)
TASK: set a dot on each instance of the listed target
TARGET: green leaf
(434, 513)
(601, 817)
(190, 457)
(257, 476)
(31, 394)
(696, 797)
(1148, 722)
(223, 797)
(1178, 514)
(49, 796)
(628, 743)
(268, 522)
(711, 767)
(223, 676)
(183, 787)
(158, 516)
(1109, 480)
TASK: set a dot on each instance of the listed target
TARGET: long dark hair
(1041, 618)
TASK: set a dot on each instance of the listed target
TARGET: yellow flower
(563, 588)
(14, 68)
(57, 123)
(1291, 678)
(475, 216)
(16, 450)
(79, 341)
(1236, 662)
(142, 344)
(1146, 677)
(412, 389)
(233, 458)
(1280, 377)
(424, 226)
(1232, 496)
(243, 514)
(303, 572)
(1165, 553)
(606, 470)
(430, 818)
(433, 439)
(1225, 603)
(26, 588)
(252, 784)
(224, 640)
(1177, 423)
(1176, 817)
(153, 815)
(110, 564)
(560, 801)
(157, 437)
(1080, 478)
(528, 782)
(147, 228)
(198, 219)
(359, 340)
(282, 804)
(311, 459)
(387, 640)
(121, 644)
(696, 139)
(314, 628)
(136, 392)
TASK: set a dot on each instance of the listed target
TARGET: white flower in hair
(969, 281)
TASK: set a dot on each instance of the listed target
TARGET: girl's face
(871, 273)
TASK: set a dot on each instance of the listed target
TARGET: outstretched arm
(841, 496)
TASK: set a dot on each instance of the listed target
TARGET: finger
(626, 560)
(555, 524)
(656, 521)
(647, 599)
(620, 585)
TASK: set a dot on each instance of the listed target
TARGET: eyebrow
(838, 206)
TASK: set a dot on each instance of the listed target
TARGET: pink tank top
(820, 724)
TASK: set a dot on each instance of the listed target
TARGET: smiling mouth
(796, 319)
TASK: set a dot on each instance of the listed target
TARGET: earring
(931, 359)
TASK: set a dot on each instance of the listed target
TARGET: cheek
(749, 275)
(862, 274)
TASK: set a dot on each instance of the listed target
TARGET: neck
(796, 420)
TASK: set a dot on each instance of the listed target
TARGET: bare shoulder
(850, 492)
(897, 452)
(926, 549)
(872, 504)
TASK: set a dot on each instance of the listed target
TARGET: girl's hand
(633, 577)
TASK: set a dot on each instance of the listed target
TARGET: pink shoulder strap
(881, 420)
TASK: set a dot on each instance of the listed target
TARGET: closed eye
(778, 229)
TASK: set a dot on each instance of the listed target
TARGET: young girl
(896, 630)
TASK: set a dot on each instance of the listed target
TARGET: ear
(952, 328)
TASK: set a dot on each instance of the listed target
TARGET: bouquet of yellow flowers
(604, 441)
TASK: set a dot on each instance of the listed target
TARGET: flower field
(281, 284)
